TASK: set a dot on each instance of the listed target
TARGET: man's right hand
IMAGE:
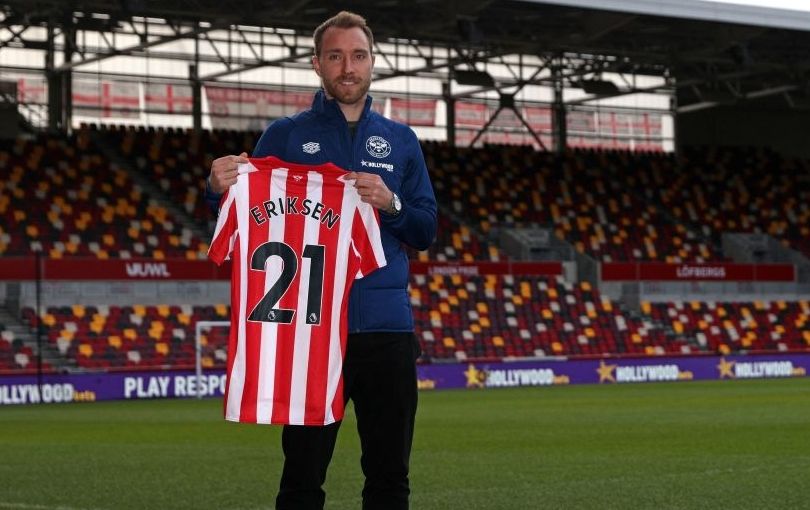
(223, 172)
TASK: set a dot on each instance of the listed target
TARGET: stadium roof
(714, 52)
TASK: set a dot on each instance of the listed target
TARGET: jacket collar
(329, 107)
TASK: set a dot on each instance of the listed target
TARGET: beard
(347, 95)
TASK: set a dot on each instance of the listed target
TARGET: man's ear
(316, 64)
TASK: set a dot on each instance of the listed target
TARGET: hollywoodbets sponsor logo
(35, 394)
(641, 373)
(377, 164)
(508, 377)
(758, 369)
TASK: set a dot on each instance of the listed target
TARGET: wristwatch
(396, 205)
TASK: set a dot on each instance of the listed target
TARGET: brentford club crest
(311, 147)
(378, 146)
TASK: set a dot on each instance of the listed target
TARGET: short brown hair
(343, 19)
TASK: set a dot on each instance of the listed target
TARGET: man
(386, 162)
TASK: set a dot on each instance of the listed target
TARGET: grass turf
(729, 444)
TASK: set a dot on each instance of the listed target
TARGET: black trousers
(379, 377)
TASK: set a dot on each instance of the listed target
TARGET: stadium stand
(62, 198)
(732, 327)
(584, 196)
(14, 355)
(134, 336)
(458, 318)
(457, 241)
(734, 190)
(498, 316)
(177, 160)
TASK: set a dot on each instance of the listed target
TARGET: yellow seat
(97, 326)
(86, 350)
(646, 307)
(114, 341)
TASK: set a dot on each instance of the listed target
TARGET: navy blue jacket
(380, 301)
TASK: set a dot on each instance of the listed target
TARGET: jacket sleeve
(416, 225)
(211, 198)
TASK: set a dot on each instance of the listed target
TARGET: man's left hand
(372, 189)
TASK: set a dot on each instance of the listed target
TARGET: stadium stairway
(23, 334)
(114, 156)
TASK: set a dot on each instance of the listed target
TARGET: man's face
(345, 64)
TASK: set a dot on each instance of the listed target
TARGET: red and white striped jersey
(298, 236)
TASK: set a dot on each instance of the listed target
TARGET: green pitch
(727, 444)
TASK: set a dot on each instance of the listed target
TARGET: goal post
(198, 330)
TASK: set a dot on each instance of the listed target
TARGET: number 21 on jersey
(266, 309)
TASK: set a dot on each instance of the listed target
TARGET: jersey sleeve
(226, 231)
(366, 240)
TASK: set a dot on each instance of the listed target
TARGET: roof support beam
(198, 30)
